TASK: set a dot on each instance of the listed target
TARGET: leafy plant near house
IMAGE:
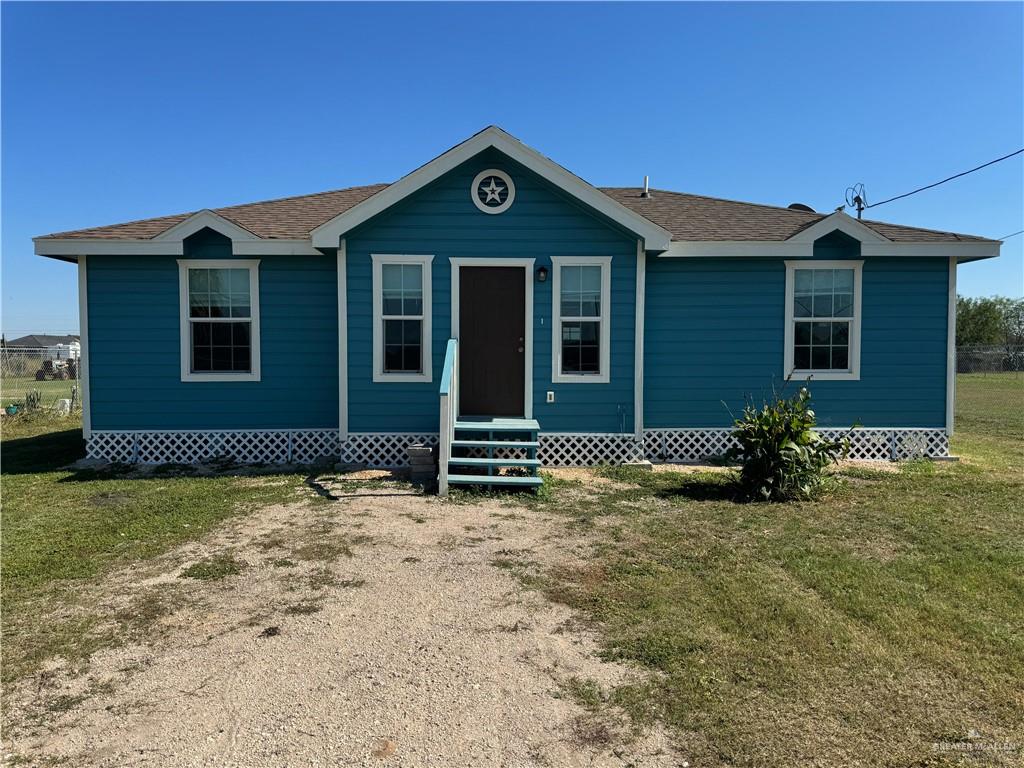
(33, 399)
(782, 455)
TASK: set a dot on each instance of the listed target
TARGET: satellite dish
(801, 207)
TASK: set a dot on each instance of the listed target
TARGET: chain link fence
(46, 378)
(1003, 358)
(40, 378)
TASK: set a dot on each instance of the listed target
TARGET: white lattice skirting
(880, 444)
(388, 449)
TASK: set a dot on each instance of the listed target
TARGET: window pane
(590, 305)
(411, 331)
(590, 332)
(240, 359)
(804, 281)
(590, 279)
(221, 358)
(393, 332)
(201, 333)
(823, 281)
(572, 305)
(820, 358)
(412, 306)
(391, 277)
(403, 346)
(392, 303)
(199, 280)
(411, 358)
(581, 350)
(844, 281)
(802, 305)
(221, 333)
(239, 281)
(393, 357)
(220, 305)
(802, 358)
(571, 359)
(589, 359)
(221, 347)
(823, 305)
(571, 280)
(843, 305)
(841, 333)
(199, 304)
(803, 333)
(412, 278)
(220, 281)
(201, 359)
(840, 358)
(821, 333)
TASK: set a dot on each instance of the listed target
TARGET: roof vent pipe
(647, 189)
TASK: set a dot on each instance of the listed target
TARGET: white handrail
(449, 410)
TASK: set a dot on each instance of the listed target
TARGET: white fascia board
(790, 249)
(202, 220)
(274, 248)
(103, 247)
(958, 250)
(655, 238)
(842, 222)
(74, 247)
(737, 248)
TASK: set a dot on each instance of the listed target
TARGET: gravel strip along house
(500, 309)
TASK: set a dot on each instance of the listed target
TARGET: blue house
(493, 297)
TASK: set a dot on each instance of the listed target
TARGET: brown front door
(492, 336)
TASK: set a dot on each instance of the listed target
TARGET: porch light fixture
(542, 274)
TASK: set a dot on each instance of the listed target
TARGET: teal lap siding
(441, 220)
(134, 353)
(715, 336)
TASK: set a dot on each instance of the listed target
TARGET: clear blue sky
(113, 112)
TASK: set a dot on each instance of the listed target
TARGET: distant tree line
(991, 321)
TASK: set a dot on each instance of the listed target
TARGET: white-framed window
(219, 307)
(823, 315)
(401, 317)
(580, 311)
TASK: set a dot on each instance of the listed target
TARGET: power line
(1012, 234)
(956, 176)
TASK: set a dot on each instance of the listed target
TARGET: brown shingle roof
(687, 217)
(700, 218)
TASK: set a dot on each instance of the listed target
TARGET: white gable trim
(202, 220)
(328, 234)
(842, 222)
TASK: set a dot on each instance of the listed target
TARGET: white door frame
(457, 262)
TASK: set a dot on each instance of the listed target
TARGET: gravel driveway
(380, 628)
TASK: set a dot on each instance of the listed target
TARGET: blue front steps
(483, 447)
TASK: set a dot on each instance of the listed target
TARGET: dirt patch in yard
(386, 627)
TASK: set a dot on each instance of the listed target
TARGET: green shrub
(782, 456)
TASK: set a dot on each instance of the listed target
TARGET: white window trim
(853, 374)
(426, 349)
(253, 265)
(605, 263)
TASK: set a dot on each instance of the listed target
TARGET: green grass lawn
(877, 627)
(13, 389)
(62, 529)
(861, 629)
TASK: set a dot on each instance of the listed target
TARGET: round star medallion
(493, 191)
